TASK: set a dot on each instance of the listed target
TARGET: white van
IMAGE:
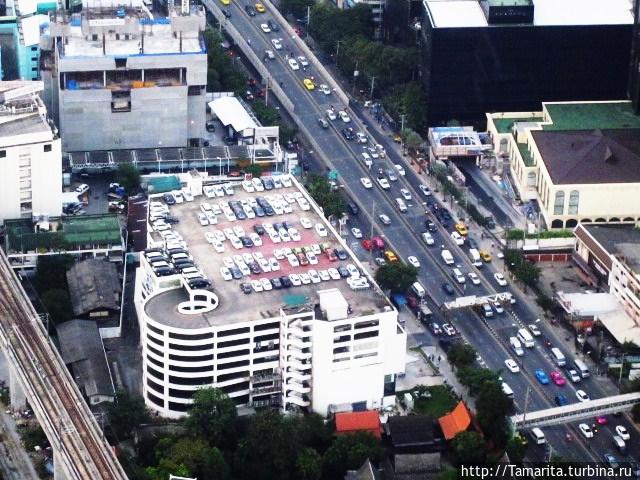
(366, 158)
(581, 367)
(507, 390)
(538, 436)
(558, 357)
(516, 346)
(447, 257)
(475, 257)
(401, 205)
(418, 289)
(525, 337)
(487, 310)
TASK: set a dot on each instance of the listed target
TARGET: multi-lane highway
(489, 337)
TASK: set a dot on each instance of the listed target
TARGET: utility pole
(402, 132)
(355, 77)
(620, 376)
(266, 92)
(373, 81)
(308, 22)
(526, 406)
(338, 50)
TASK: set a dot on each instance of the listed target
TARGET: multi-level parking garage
(284, 314)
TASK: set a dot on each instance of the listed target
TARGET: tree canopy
(396, 276)
(189, 457)
(330, 201)
(461, 355)
(469, 448)
(126, 413)
(349, 452)
(128, 177)
(212, 417)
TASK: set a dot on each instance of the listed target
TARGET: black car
(251, 11)
(164, 271)
(258, 211)
(273, 26)
(182, 263)
(344, 273)
(348, 134)
(353, 208)
(471, 243)
(276, 283)
(341, 254)
(259, 229)
(286, 282)
(269, 211)
(278, 226)
(448, 289)
(246, 288)
(288, 225)
(430, 226)
(199, 283)
(235, 273)
(446, 215)
(169, 199)
(246, 242)
(227, 14)
(268, 183)
(254, 267)
(171, 219)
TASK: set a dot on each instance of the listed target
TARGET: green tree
(297, 8)
(312, 431)
(330, 24)
(407, 99)
(349, 452)
(254, 169)
(516, 449)
(126, 413)
(492, 407)
(212, 416)
(51, 271)
(308, 465)
(396, 276)
(222, 74)
(34, 437)
(193, 456)
(266, 115)
(320, 189)
(412, 139)
(58, 305)
(268, 451)
(473, 378)
(128, 177)
(461, 355)
(469, 448)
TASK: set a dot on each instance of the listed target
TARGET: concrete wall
(45, 177)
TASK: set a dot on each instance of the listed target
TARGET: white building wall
(27, 171)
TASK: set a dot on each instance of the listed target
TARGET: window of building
(234, 353)
(174, 392)
(266, 326)
(574, 201)
(233, 331)
(179, 407)
(190, 380)
(197, 336)
(155, 340)
(155, 351)
(232, 376)
(3, 153)
(177, 368)
(157, 363)
(155, 400)
(558, 205)
(342, 328)
(155, 373)
(121, 63)
(531, 179)
(191, 348)
(360, 336)
(154, 329)
(226, 366)
(156, 386)
(194, 358)
(194, 90)
(233, 343)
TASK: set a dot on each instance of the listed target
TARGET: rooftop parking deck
(236, 306)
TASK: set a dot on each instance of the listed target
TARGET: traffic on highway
(535, 359)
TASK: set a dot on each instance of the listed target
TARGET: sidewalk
(439, 359)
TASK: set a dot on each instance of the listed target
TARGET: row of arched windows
(574, 203)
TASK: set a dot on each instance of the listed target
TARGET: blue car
(561, 400)
(542, 377)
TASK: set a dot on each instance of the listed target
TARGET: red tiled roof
(349, 422)
(455, 422)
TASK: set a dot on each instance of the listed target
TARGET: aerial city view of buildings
(319, 240)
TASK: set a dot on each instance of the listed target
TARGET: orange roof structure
(351, 422)
(458, 420)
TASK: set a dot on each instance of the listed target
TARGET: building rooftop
(23, 235)
(234, 305)
(622, 241)
(94, 284)
(412, 431)
(125, 31)
(81, 349)
(591, 115)
(456, 421)
(468, 13)
(350, 422)
(590, 157)
(22, 112)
